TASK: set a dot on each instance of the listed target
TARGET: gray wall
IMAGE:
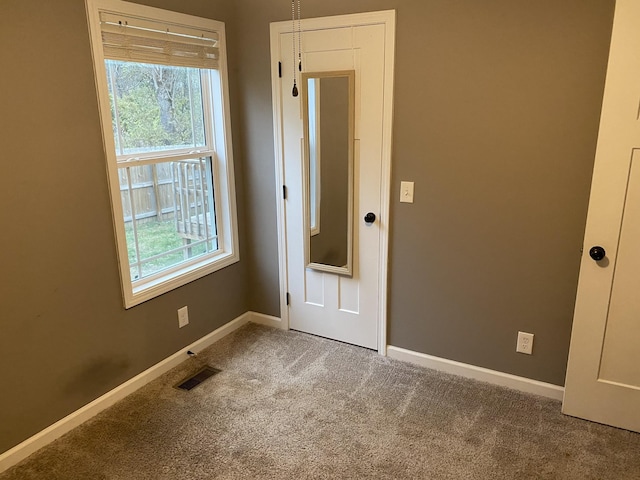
(508, 95)
(496, 115)
(497, 105)
(65, 337)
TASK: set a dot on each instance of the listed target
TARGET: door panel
(603, 373)
(327, 304)
(314, 288)
(349, 295)
(620, 355)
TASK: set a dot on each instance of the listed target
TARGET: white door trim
(388, 19)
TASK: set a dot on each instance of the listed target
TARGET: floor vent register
(195, 380)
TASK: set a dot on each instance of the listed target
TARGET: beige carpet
(289, 405)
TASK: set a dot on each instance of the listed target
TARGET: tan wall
(497, 105)
(65, 337)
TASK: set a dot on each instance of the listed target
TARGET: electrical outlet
(525, 343)
(183, 317)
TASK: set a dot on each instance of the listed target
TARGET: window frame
(216, 117)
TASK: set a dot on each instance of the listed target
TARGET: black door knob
(370, 217)
(597, 253)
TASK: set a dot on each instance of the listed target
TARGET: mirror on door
(328, 113)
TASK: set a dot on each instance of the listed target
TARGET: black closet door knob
(597, 253)
(370, 217)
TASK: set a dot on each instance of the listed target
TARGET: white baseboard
(478, 373)
(263, 319)
(23, 450)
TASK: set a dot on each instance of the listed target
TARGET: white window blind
(147, 41)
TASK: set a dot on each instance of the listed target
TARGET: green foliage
(140, 119)
(155, 107)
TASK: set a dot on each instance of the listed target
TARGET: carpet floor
(288, 405)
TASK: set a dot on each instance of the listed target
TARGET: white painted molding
(385, 205)
(268, 320)
(31, 445)
(477, 373)
(279, 175)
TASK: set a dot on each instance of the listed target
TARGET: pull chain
(294, 92)
(299, 38)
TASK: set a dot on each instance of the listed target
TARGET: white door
(603, 375)
(349, 309)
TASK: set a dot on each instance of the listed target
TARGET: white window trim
(222, 161)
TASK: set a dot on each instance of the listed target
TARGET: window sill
(135, 295)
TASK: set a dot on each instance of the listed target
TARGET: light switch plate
(406, 192)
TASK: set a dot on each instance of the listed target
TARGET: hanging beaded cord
(293, 42)
(299, 38)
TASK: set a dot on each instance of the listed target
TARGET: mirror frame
(346, 270)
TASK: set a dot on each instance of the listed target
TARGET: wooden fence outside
(175, 191)
(152, 192)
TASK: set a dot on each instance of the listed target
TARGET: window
(161, 79)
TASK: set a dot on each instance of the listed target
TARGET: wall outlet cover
(525, 343)
(183, 317)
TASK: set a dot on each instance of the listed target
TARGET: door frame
(388, 19)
